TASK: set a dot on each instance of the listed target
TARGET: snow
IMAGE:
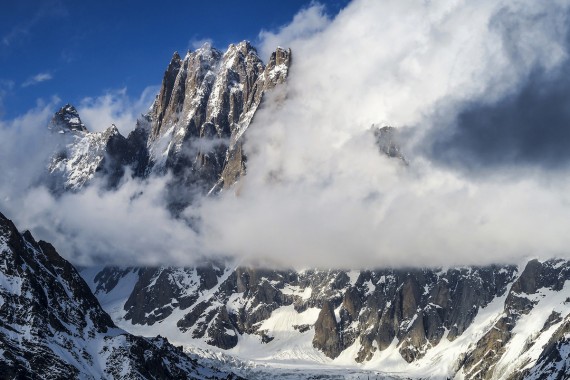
(84, 154)
(295, 290)
(353, 275)
(10, 284)
(278, 71)
(288, 343)
(528, 329)
(370, 286)
(114, 301)
(235, 302)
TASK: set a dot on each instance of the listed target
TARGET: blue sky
(79, 49)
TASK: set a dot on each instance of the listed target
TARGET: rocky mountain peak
(207, 99)
(245, 47)
(67, 120)
(111, 131)
(281, 56)
(205, 50)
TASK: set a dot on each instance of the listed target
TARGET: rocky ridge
(81, 155)
(359, 316)
(194, 128)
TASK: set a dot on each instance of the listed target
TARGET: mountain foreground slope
(52, 327)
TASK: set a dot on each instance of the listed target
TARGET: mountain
(493, 322)
(193, 129)
(52, 327)
(472, 323)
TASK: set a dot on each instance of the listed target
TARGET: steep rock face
(207, 101)
(52, 327)
(373, 306)
(275, 73)
(327, 335)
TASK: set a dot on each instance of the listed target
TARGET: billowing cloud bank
(478, 92)
(317, 191)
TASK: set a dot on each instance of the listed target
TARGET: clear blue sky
(78, 49)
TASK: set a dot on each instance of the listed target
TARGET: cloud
(25, 147)
(115, 107)
(305, 24)
(93, 226)
(122, 227)
(459, 80)
(317, 192)
(197, 43)
(530, 128)
(38, 78)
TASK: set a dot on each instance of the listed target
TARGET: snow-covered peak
(246, 47)
(67, 120)
(206, 51)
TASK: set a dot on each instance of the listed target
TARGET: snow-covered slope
(52, 327)
(491, 322)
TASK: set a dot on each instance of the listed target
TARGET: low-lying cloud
(128, 226)
(476, 91)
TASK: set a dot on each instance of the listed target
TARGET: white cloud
(304, 25)
(115, 107)
(317, 191)
(25, 146)
(36, 79)
(199, 42)
(130, 225)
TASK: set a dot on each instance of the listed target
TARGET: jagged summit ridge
(210, 95)
(206, 102)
